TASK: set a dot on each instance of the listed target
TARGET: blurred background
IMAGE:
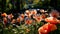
(15, 9)
(22, 5)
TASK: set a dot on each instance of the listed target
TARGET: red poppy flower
(47, 28)
(58, 21)
(51, 20)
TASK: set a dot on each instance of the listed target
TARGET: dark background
(15, 6)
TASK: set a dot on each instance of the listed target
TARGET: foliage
(25, 29)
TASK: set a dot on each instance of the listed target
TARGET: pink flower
(54, 13)
(10, 16)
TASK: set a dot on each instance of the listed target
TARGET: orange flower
(22, 15)
(42, 11)
(38, 18)
(43, 16)
(51, 20)
(5, 20)
(13, 21)
(4, 15)
(34, 12)
(27, 12)
(18, 20)
(28, 21)
(47, 28)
